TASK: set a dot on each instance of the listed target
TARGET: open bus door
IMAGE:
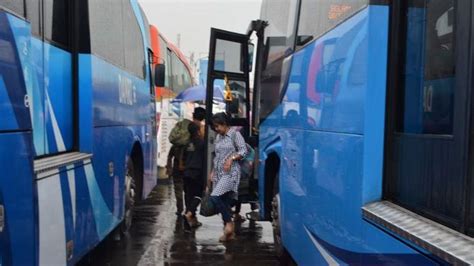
(228, 69)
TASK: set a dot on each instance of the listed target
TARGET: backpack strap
(233, 140)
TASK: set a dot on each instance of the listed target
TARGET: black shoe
(178, 213)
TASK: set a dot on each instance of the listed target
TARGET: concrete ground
(157, 237)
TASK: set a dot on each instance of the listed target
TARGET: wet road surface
(157, 237)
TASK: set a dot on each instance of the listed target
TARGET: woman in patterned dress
(229, 149)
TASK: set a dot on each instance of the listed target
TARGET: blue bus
(361, 115)
(77, 131)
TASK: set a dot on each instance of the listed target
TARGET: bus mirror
(159, 75)
(301, 40)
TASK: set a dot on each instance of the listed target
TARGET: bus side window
(133, 43)
(56, 21)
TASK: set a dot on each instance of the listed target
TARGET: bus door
(228, 88)
(428, 139)
(53, 102)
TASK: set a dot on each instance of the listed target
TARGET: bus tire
(130, 197)
(280, 250)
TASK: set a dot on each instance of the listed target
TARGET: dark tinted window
(279, 43)
(106, 31)
(33, 15)
(279, 35)
(428, 74)
(133, 42)
(273, 80)
(13, 5)
(56, 21)
(319, 16)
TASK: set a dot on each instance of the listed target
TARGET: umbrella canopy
(197, 93)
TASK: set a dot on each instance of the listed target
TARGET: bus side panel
(14, 37)
(36, 95)
(322, 182)
(58, 100)
(18, 238)
(94, 219)
(73, 212)
(121, 99)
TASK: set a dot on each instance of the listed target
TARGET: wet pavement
(157, 237)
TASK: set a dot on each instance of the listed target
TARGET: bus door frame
(212, 75)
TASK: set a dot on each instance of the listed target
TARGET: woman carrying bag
(230, 147)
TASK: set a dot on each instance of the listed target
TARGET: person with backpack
(194, 177)
(230, 147)
(179, 138)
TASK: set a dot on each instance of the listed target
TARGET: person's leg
(238, 206)
(195, 199)
(178, 192)
(223, 205)
(193, 195)
(186, 190)
(237, 217)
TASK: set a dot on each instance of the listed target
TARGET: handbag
(246, 170)
(207, 206)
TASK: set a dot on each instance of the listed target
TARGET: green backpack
(179, 135)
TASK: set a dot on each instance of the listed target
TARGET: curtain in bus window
(13, 5)
(106, 31)
(56, 21)
(429, 68)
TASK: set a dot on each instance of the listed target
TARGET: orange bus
(178, 77)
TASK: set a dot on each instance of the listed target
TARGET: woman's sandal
(227, 237)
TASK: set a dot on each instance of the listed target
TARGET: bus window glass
(429, 73)
(178, 72)
(146, 23)
(14, 5)
(133, 42)
(163, 49)
(228, 56)
(56, 21)
(281, 16)
(319, 16)
(234, 95)
(33, 15)
(106, 31)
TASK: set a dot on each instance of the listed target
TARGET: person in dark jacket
(194, 177)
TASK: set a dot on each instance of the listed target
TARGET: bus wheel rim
(129, 199)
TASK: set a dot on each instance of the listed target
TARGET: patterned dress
(227, 145)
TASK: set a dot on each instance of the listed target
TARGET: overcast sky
(192, 19)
